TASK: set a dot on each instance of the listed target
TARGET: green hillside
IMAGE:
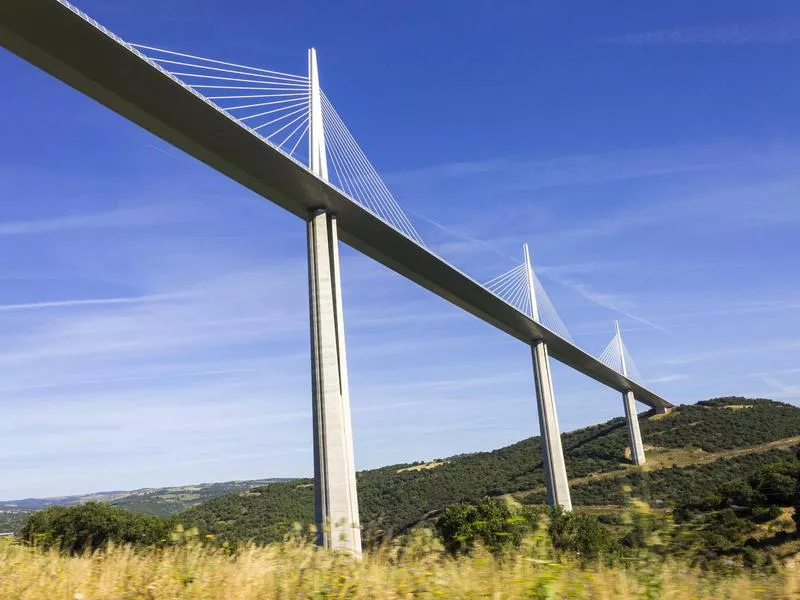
(690, 452)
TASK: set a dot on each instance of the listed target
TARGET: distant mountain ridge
(157, 501)
(39, 503)
(125, 497)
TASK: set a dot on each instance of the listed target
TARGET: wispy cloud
(559, 274)
(85, 302)
(754, 307)
(613, 302)
(775, 372)
(459, 384)
(583, 268)
(604, 328)
(131, 217)
(163, 374)
(756, 33)
(564, 275)
(221, 310)
(506, 174)
(743, 348)
(469, 240)
(767, 204)
(667, 378)
(725, 182)
(785, 391)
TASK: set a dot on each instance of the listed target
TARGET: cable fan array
(271, 104)
(355, 175)
(276, 106)
(513, 287)
(614, 355)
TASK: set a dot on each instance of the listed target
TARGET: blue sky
(154, 314)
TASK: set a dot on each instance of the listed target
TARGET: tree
(92, 526)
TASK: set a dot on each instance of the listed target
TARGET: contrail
(84, 302)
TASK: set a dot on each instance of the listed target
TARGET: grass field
(420, 570)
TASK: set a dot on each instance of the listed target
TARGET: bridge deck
(51, 36)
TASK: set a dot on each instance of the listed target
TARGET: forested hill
(690, 452)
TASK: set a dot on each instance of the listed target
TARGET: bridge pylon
(335, 493)
(629, 402)
(555, 469)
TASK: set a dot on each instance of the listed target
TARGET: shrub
(740, 493)
(764, 514)
(750, 558)
(491, 522)
(580, 534)
(778, 482)
(774, 512)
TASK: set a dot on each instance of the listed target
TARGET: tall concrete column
(631, 418)
(634, 435)
(555, 470)
(335, 494)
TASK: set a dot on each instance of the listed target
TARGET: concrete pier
(628, 400)
(555, 470)
(634, 435)
(335, 495)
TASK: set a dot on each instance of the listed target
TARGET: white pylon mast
(317, 158)
(623, 366)
(531, 289)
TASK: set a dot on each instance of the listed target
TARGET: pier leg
(555, 470)
(634, 435)
(335, 495)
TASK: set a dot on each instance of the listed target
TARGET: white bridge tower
(555, 469)
(335, 494)
(628, 400)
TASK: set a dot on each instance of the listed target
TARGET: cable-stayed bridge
(279, 135)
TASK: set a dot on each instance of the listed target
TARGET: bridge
(279, 135)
